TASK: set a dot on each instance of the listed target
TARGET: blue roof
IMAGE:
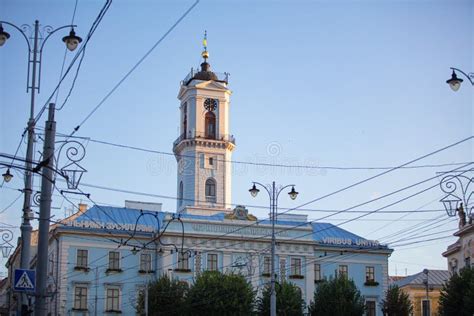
(323, 233)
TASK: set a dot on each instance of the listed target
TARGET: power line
(147, 150)
(385, 172)
(134, 67)
(94, 26)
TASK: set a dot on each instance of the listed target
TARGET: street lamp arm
(265, 187)
(50, 32)
(19, 30)
(281, 189)
(469, 76)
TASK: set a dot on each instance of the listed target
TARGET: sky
(315, 83)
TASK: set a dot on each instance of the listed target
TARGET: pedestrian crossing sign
(25, 280)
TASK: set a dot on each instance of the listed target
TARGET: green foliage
(216, 293)
(396, 302)
(289, 301)
(337, 296)
(165, 297)
(457, 296)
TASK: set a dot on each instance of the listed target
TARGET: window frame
(295, 266)
(369, 274)
(112, 302)
(80, 258)
(374, 311)
(317, 272)
(183, 261)
(343, 270)
(267, 265)
(80, 298)
(212, 265)
(114, 263)
(146, 264)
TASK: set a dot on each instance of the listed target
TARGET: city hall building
(101, 257)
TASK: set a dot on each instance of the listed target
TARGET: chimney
(82, 208)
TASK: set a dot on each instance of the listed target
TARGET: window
(210, 190)
(185, 120)
(145, 262)
(343, 270)
(211, 161)
(212, 262)
(180, 193)
(81, 258)
(113, 300)
(210, 122)
(267, 265)
(114, 260)
(183, 261)
(369, 274)
(467, 262)
(295, 266)
(370, 305)
(425, 307)
(80, 297)
(317, 272)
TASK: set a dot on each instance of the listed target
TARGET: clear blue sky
(327, 83)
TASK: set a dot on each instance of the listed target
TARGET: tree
(165, 297)
(457, 295)
(337, 296)
(289, 301)
(396, 302)
(215, 293)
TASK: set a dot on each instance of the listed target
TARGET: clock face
(210, 104)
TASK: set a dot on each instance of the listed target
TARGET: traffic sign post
(25, 280)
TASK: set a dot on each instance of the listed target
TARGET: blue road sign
(25, 280)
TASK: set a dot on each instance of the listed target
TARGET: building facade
(424, 289)
(461, 253)
(101, 258)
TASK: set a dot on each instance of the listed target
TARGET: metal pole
(273, 292)
(26, 225)
(428, 307)
(96, 289)
(146, 295)
(45, 214)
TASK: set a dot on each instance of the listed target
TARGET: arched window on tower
(180, 193)
(210, 125)
(185, 120)
(210, 190)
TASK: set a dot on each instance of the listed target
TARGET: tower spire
(205, 53)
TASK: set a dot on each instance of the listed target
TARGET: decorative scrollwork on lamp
(71, 170)
(459, 191)
(5, 245)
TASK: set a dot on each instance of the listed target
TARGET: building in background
(461, 253)
(101, 258)
(424, 290)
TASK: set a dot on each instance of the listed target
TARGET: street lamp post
(34, 64)
(426, 307)
(455, 82)
(273, 193)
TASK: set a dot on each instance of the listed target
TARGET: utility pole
(45, 213)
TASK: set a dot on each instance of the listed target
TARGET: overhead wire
(119, 83)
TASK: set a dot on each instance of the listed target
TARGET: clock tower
(204, 148)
